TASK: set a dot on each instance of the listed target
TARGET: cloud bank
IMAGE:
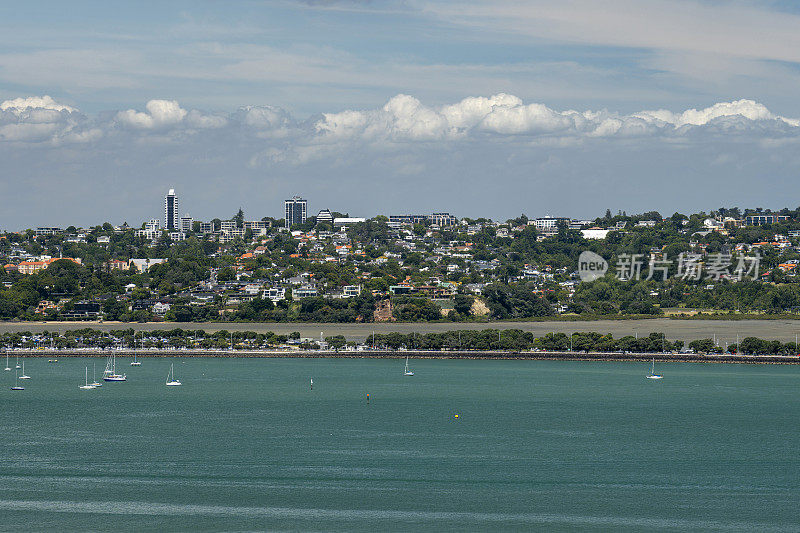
(481, 156)
(402, 119)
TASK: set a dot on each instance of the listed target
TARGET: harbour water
(245, 444)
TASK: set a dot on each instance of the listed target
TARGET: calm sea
(245, 444)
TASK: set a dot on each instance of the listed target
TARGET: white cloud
(18, 105)
(36, 119)
(745, 108)
(196, 119)
(160, 113)
(29, 132)
(470, 111)
(403, 119)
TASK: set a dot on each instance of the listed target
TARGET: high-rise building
(171, 219)
(186, 223)
(325, 217)
(296, 211)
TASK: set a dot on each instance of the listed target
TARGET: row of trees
(486, 339)
(515, 339)
(129, 338)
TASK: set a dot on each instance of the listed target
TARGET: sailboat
(23, 376)
(135, 361)
(86, 385)
(171, 381)
(653, 374)
(94, 382)
(17, 386)
(407, 371)
(7, 367)
(18, 362)
(110, 373)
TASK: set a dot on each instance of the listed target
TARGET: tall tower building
(296, 211)
(171, 219)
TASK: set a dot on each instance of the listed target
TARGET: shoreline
(390, 354)
(723, 332)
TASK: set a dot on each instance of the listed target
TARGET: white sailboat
(171, 381)
(18, 363)
(653, 374)
(407, 371)
(24, 376)
(86, 385)
(94, 382)
(110, 373)
(7, 367)
(135, 361)
(17, 386)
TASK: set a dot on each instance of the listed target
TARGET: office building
(171, 220)
(296, 211)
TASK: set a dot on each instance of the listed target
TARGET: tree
(336, 341)
(239, 218)
(462, 304)
(702, 345)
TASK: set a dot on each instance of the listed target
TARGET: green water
(557, 446)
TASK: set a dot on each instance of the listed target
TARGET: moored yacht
(171, 381)
(86, 385)
(24, 376)
(17, 386)
(407, 371)
(110, 373)
(653, 374)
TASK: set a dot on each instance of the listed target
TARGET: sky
(479, 108)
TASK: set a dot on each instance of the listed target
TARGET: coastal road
(688, 330)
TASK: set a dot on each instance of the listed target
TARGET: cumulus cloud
(36, 119)
(18, 105)
(403, 119)
(159, 113)
(503, 115)
(748, 109)
(196, 119)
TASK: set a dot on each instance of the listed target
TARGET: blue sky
(372, 107)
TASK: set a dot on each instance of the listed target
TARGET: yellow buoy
(456, 415)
